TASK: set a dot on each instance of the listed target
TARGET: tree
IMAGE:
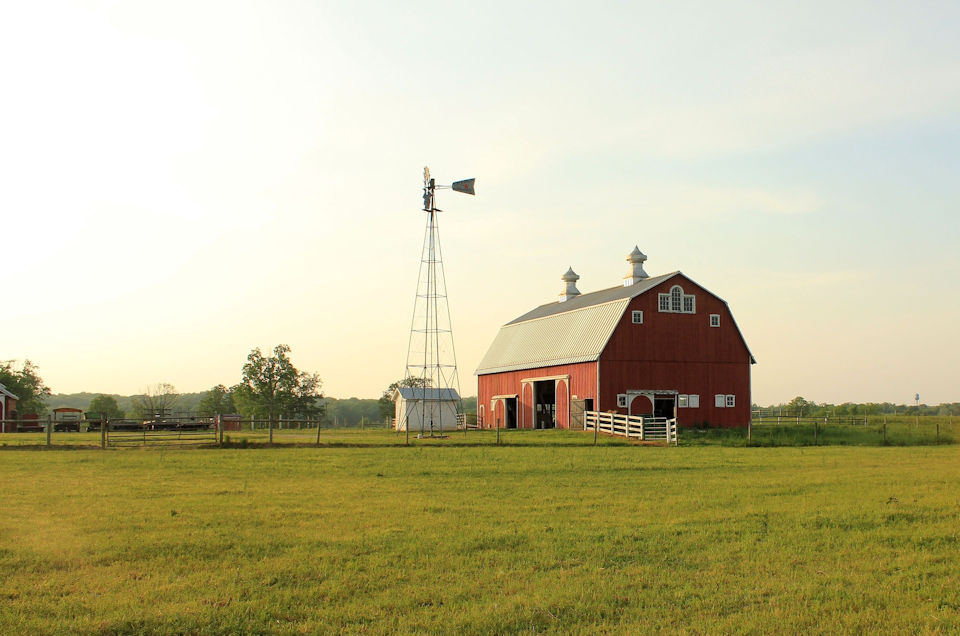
(386, 399)
(157, 401)
(27, 385)
(272, 386)
(104, 406)
(797, 405)
(216, 401)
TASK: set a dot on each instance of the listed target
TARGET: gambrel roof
(568, 332)
(575, 330)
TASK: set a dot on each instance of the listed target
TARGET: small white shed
(418, 408)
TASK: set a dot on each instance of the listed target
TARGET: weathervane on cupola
(434, 363)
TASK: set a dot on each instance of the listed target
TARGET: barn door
(577, 407)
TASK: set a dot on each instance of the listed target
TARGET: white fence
(633, 426)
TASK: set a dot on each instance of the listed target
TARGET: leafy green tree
(272, 386)
(797, 406)
(27, 385)
(216, 401)
(156, 401)
(104, 406)
(385, 402)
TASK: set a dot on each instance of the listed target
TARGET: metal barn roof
(575, 330)
(411, 393)
(593, 298)
(568, 332)
(559, 338)
(4, 391)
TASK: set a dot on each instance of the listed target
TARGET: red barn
(661, 345)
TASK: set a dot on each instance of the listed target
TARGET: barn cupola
(636, 273)
(570, 285)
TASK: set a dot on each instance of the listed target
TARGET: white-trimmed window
(683, 401)
(637, 317)
(622, 400)
(694, 401)
(714, 320)
(719, 400)
(731, 401)
(677, 302)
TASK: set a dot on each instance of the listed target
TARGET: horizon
(188, 182)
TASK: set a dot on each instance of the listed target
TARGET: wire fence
(786, 429)
(233, 432)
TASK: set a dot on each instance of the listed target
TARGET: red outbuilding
(8, 411)
(661, 346)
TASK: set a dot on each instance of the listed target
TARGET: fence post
(938, 431)
(318, 431)
(750, 428)
(49, 428)
(270, 426)
(816, 433)
(498, 430)
(219, 430)
(596, 428)
(103, 431)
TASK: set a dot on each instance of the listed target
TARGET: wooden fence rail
(632, 426)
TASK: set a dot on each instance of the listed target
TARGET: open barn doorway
(545, 404)
(664, 407)
(510, 412)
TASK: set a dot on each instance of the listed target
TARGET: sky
(181, 182)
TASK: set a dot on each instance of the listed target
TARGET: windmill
(431, 357)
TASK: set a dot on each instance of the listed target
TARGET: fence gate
(162, 431)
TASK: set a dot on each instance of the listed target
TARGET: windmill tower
(431, 357)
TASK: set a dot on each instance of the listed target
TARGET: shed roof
(575, 330)
(417, 393)
(4, 391)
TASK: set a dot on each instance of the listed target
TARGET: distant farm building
(8, 410)
(67, 414)
(426, 410)
(661, 346)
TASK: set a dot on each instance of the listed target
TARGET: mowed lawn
(548, 535)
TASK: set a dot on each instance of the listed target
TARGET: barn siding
(583, 384)
(681, 352)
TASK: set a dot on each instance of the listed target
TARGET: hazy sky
(183, 181)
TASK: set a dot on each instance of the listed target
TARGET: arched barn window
(677, 302)
(676, 297)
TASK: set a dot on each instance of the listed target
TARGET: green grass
(900, 431)
(547, 534)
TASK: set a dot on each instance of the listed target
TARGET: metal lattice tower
(431, 357)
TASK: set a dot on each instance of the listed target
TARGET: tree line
(270, 386)
(803, 407)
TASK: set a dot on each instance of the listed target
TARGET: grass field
(544, 535)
